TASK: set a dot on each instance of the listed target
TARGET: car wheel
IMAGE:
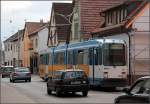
(48, 91)
(29, 80)
(10, 80)
(25, 80)
(58, 93)
(13, 81)
(85, 93)
(2, 76)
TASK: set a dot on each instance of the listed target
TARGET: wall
(0, 52)
(26, 57)
(42, 37)
(8, 53)
(141, 41)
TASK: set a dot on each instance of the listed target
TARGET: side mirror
(126, 90)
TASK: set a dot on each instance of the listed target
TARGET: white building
(130, 22)
(42, 38)
(13, 49)
(1, 56)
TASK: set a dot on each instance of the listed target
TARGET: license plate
(76, 82)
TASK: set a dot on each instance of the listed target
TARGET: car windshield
(22, 70)
(74, 74)
(7, 69)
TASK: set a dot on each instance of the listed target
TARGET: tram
(103, 60)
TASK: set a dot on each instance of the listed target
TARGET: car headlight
(84, 81)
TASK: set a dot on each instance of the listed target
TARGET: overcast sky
(15, 13)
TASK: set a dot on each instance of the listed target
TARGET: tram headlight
(105, 75)
(124, 75)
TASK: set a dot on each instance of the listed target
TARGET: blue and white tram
(104, 60)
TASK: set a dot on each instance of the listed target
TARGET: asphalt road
(35, 92)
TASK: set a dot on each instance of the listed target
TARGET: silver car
(20, 73)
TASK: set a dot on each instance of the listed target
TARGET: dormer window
(115, 16)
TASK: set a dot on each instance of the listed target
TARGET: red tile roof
(129, 18)
(90, 17)
(33, 26)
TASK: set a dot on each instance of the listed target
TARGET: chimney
(41, 20)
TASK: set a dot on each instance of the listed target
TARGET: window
(137, 87)
(59, 58)
(97, 58)
(70, 57)
(74, 74)
(114, 54)
(80, 57)
(8, 47)
(14, 48)
(11, 46)
(122, 14)
(36, 43)
(115, 15)
(125, 13)
(44, 59)
(5, 47)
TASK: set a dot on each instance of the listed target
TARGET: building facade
(30, 44)
(129, 21)
(86, 17)
(59, 25)
(1, 52)
(13, 49)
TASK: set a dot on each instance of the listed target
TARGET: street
(35, 92)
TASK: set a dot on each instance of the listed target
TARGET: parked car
(6, 70)
(20, 73)
(139, 92)
(68, 81)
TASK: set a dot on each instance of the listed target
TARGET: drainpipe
(130, 34)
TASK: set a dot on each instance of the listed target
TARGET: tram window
(85, 56)
(114, 54)
(90, 57)
(50, 59)
(99, 53)
(41, 59)
(59, 58)
(70, 57)
(47, 59)
(80, 57)
(97, 56)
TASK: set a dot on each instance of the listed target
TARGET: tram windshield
(114, 54)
